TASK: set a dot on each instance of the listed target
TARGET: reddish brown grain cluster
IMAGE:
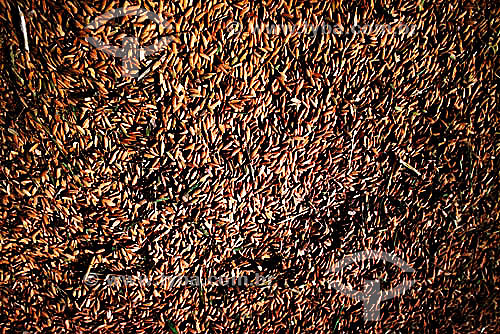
(243, 152)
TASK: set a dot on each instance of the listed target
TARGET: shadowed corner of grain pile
(207, 166)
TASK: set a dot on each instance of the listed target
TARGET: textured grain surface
(242, 152)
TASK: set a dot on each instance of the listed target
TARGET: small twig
(294, 216)
(352, 150)
(410, 167)
(23, 29)
(89, 269)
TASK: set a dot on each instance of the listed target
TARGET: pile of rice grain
(246, 150)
